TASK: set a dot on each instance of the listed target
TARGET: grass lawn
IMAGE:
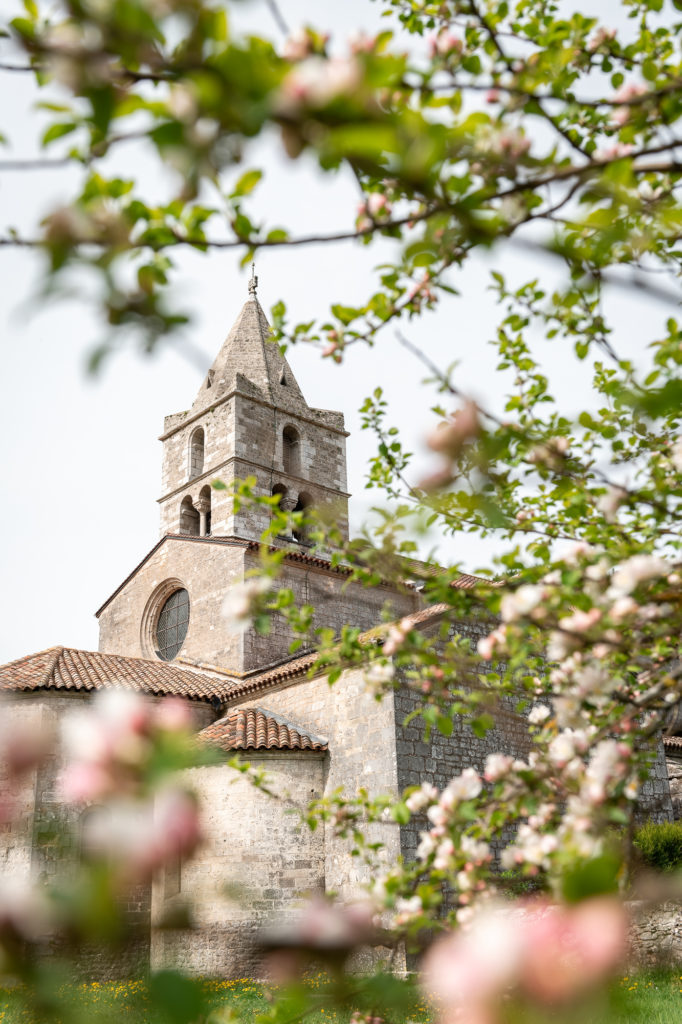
(643, 998)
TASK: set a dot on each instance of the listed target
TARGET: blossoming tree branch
(469, 126)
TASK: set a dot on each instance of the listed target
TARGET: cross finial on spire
(253, 283)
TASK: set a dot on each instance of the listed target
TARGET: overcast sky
(81, 460)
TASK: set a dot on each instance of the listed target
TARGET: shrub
(660, 846)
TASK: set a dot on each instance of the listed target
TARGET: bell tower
(250, 419)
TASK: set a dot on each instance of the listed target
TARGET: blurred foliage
(660, 845)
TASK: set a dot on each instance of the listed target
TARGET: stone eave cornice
(212, 406)
(248, 462)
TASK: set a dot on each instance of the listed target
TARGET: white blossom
(497, 766)
(241, 601)
(538, 714)
(421, 797)
(520, 602)
(427, 845)
(380, 672)
(634, 571)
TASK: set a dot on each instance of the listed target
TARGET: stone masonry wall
(336, 604)
(361, 734)
(259, 450)
(242, 438)
(655, 801)
(439, 758)
(33, 847)
(256, 866)
(16, 836)
(218, 427)
(206, 571)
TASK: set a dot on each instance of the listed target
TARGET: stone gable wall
(361, 735)
(257, 864)
(206, 571)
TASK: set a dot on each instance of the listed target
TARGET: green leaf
(176, 998)
(346, 314)
(594, 877)
(246, 184)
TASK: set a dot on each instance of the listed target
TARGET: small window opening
(196, 453)
(283, 379)
(291, 451)
(209, 378)
(189, 517)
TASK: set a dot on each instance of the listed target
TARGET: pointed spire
(250, 362)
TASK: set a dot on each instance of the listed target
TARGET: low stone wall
(655, 934)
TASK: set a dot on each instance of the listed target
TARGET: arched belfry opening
(189, 517)
(291, 450)
(203, 507)
(279, 491)
(304, 502)
(196, 453)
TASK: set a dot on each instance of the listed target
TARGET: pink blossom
(465, 971)
(629, 91)
(538, 714)
(609, 503)
(396, 636)
(630, 573)
(492, 95)
(316, 82)
(85, 782)
(444, 855)
(551, 953)
(450, 436)
(421, 797)
(173, 715)
(140, 835)
(377, 204)
(444, 43)
(521, 602)
(568, 949)
(615, 151)
(324, 924)
(511, 144)
(23, 745)
(581, 622)
(601, 36)
(362, 43)
(176, 823)
(298, 46)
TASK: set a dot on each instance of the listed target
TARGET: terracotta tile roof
(423, 570)
(264, 680)
(67, 668)
(672, 742)
(298, 666)
(258, 729)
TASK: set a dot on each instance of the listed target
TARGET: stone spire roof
(250, 362)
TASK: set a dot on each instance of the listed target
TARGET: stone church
(162, 632)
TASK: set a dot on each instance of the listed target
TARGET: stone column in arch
(203, 507)
(288, 503)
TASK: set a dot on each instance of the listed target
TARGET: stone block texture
(257, 864)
